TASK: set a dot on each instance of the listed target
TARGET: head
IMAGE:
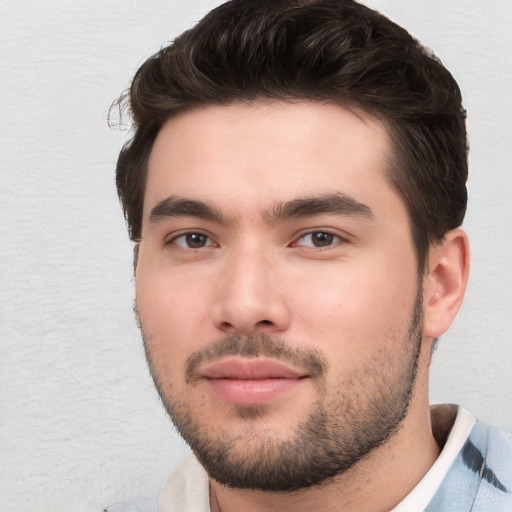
(293, 167)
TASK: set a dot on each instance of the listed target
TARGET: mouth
(252, 381)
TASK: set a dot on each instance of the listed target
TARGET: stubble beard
(363, 413)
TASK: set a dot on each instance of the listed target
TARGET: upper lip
(238, 368)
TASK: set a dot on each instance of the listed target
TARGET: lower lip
(251, 392)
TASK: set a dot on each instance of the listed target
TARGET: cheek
(173, 313)
(352, 308)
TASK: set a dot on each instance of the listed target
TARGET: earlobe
(445, 282)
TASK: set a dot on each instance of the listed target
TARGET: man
(295, 186)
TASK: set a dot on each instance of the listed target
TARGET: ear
(445, 282)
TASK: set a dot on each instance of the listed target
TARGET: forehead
(246, 155)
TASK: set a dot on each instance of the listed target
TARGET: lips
(249, 369)
(250, 381)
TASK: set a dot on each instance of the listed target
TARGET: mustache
(261, 345)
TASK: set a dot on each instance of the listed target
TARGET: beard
(352, 416)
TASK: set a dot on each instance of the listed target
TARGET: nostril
(265, 322)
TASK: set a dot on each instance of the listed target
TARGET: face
(277, 290)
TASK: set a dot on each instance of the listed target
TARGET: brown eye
(318, 239)
(192, 241)
(321, 239)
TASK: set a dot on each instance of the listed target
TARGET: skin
(350, 301)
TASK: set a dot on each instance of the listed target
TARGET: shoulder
(145, 503)
(186, 489)
(488, 454)
(480, 477)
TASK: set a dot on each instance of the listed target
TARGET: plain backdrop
(81, 426)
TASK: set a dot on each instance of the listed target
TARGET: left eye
(192, 241)
(318, 239)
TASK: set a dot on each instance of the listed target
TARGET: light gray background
(80, 424)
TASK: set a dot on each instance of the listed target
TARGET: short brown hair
(317, 50)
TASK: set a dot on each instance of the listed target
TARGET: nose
(250, 298)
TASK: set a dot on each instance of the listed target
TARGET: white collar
(422, 494)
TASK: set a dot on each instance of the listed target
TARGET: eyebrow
(331, 204)
(334, 204)
(174, 206)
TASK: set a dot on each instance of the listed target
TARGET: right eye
(192, 241)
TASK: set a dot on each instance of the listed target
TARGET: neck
(377, 483)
